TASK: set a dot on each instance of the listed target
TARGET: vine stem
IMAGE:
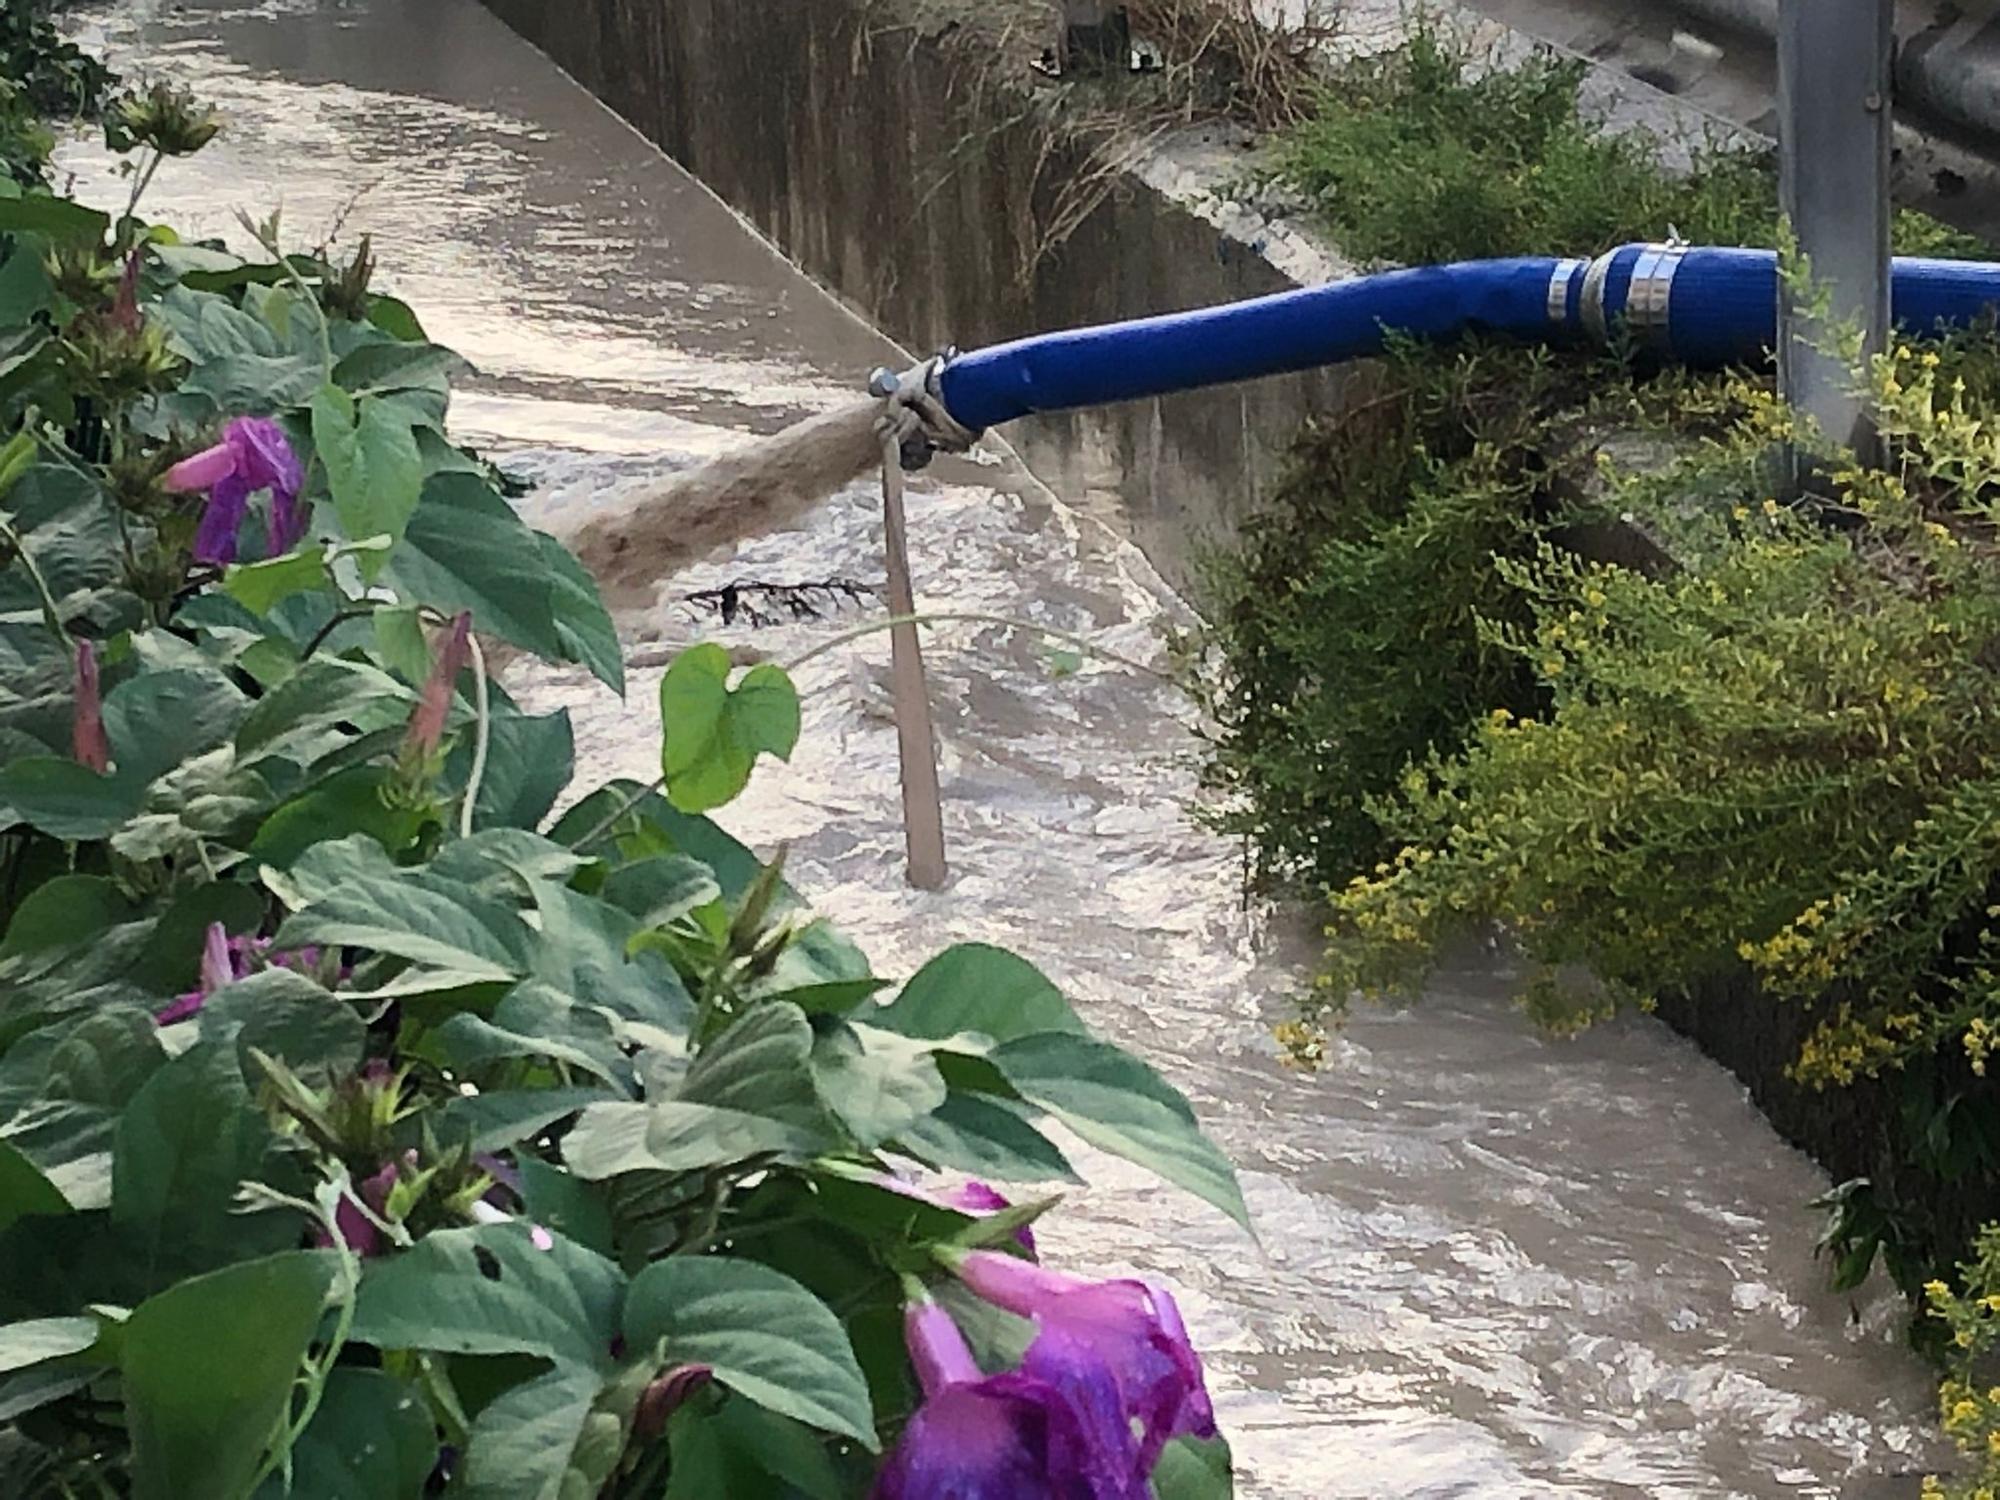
(482, 735)
(610, 820)
(340, 618)
(275, 250)
(141, 183)
(977, 617)
(60, 451)
(1083, 644)
(289, 1427)
(50, 613)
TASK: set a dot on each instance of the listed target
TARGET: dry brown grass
(1218, 63)
(1221, 62)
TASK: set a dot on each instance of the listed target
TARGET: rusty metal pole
(916, 739)
(1834, 77)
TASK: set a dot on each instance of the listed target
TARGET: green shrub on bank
(1346, 612)
(1722, 749)
(1776, 752)
(1780, 751)
(1427, 153)
(1347, 616)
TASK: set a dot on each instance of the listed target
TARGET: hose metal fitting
(914, 412)
(1648, 295)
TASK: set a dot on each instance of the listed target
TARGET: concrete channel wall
(879, 154)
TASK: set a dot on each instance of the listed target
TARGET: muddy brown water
(1490, 1264)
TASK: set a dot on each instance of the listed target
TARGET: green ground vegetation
(1429, 152)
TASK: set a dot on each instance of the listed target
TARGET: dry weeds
(1217, 62)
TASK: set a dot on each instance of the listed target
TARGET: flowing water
(1491, 1264)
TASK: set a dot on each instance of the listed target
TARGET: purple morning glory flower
(1133, 1328)
(969, 1197)
(219, 958)
(226, 959)
(253, 455)
(1054, 1435)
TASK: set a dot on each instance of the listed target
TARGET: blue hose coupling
(1632, 286)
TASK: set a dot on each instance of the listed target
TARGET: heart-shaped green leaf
(372, 465)
(714, 733)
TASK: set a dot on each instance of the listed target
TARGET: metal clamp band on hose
(1559, 284)
(1593, 297)
(1650, 298)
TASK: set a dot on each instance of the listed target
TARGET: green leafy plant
(1745, 735)
(1770, 752)
(1343, 624)
(42, 78)
(1433, 151)
(715, 732)
(368, 1128)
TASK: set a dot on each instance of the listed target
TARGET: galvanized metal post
(1834, 71)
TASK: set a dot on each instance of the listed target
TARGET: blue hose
(1702, 307)
(1289, 331)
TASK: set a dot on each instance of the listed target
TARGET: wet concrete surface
(1490, 1264)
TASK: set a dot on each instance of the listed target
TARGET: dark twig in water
(758, 603)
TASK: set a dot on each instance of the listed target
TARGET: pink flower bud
(434, 707)
(223, 962)
(218, 966)
(125, 312)
(87, 737)
(665, 1396)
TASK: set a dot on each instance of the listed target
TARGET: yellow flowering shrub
(1784, 751)
(1968, 1400)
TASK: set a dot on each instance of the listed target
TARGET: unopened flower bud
(665, 1396)
(170, 120)
(87, 737)
(434, 707)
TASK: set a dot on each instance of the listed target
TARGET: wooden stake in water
(923, 805)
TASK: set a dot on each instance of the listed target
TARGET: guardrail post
(1834, 80)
